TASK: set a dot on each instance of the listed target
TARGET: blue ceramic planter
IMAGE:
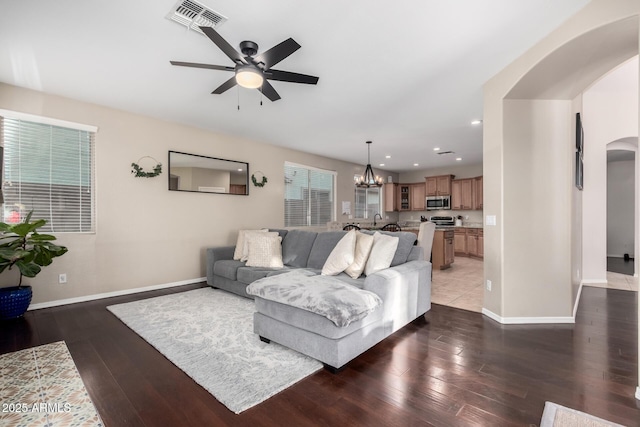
(14, 301)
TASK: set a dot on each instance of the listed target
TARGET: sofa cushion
(405, 244)
(382, 253)
(341, 256)
(239, 252)
(248, 275)
(322, 247)
(296, 247)
(227, 268)
(364, 243)
(312, 322)
(265, 250)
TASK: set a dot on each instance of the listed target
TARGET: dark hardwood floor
(457, 368)
(619, 265)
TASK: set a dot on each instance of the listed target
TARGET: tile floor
(461, 285)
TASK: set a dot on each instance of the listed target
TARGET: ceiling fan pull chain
(238, 91)
(261, 93)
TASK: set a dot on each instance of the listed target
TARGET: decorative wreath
(138, 172)
(255, 181)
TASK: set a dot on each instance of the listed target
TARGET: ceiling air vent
(440, 153)
(193, 15)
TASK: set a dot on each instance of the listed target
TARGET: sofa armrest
(405, 291)
(216, 254)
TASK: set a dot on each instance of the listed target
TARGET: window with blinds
(368, 202)
(49, 170)
(309, 196)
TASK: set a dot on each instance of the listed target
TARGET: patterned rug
(40, 386)
(555, 415)
(208, 333)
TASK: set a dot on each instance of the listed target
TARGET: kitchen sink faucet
(374, 218)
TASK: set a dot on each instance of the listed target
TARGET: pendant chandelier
(368, 179)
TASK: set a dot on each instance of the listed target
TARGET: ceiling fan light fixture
(249, 77)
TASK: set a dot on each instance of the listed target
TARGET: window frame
(334, 191)
(366, 211)
(42, 120)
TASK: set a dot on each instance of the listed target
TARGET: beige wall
(537, 240)
(147, 235)
(559, 67)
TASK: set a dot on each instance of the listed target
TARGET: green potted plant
(23, 247)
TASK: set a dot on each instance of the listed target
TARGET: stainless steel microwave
(438, 203)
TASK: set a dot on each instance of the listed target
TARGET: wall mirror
(202, 174)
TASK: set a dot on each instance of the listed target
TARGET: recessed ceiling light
(476, 122)
(387, 157)
(458, 159)
(415, 164)
(381, 164)
(436, 148)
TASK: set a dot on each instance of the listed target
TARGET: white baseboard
(593, 282)
(526, 320)
(114, 294)
(638, 392)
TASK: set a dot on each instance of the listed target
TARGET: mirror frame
(246, 164)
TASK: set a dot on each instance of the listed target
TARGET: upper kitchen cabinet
(404, 197)
(466, 194)
(418, 197)
(477, 195)
(391, 197)
(462, 194)
(438, 185)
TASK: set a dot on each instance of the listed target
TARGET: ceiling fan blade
(225, 86)
(208, 66)
(223, 45)
(269, 91)
(288, 76)
(277, 53)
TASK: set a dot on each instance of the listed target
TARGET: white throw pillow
(341, 256)
(240, 246)
(384, 248)
(364, 243)
(251, 235)
(265, 250)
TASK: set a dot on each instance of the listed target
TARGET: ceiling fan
(253, 71)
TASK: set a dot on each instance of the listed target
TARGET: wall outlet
(489, 285)
(62, 278)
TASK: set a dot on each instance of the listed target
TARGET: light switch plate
(491, 220)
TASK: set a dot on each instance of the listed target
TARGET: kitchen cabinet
(469, 242)
(391, 197)
(404, 197)
(438, 185)
(418, 197)
(477, 193)
(460, 241)
(466, 194)
(462, 194)
(443, 253)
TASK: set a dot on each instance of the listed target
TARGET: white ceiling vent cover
(192, 15)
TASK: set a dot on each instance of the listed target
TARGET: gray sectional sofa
(404, 288)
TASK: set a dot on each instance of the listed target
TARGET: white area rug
(208, 333)
(40, 386)
(555, 415)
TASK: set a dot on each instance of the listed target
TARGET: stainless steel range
(445, 221)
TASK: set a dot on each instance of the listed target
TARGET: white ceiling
(407, 75)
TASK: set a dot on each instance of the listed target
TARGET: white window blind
(368, 202)
(48, 169)
(309, 196)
